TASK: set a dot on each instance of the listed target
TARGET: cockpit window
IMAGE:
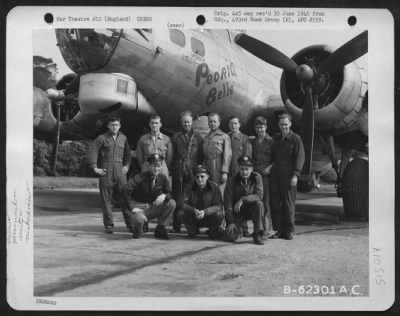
(87, 49)
(197, 47)
(177, 37)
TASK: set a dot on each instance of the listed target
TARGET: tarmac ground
(74, 257)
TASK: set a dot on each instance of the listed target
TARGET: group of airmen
(219, 181)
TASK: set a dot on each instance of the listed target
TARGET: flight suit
(160, 145)
(110, 154)
(217, 154)
(288, 159)
(210, 200)
(145, 188)
(186, 156)
(262, 157)
(251, 194)
(240, 146)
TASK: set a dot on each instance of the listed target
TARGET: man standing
(202, 205)
(217, 151)
(240, 144)
(288, 159)
(154, 142)
(109, 157)
(150, 187)
(262, 155)
(186, 146)
(243, 201)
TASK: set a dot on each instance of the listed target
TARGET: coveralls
(262, 157)
(288, 159)
(208, 199)
(110, 154)
(146, 146)
(251, 194)
(217, 154)
(186, 156)
(145, 188)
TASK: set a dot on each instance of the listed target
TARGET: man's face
(284, 125)
(155, 125)
(245, 171)
(201, 179)
(261, 129)
(187, 122)
(234, 125)
(155, 168)
(213, 122)
(114, 127)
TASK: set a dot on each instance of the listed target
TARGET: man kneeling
(243, 200)
(150, 187)
(202, 205)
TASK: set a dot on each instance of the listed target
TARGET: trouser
(108, 185)
(254, 211)
(283, 199)
(267, 223)
(191, 223)
(162, 212)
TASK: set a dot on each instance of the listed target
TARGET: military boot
(257, 238)
(161, 232)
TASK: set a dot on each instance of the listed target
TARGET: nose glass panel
(87, 49)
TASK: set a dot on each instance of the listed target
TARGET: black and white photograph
(203, 166)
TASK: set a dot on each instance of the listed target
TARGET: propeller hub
(305, 73)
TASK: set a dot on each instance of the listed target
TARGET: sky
(287, 41)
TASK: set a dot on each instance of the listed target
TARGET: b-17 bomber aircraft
(139, 72)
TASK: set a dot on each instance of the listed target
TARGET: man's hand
(160, 199)
(293, 181)
(200, 215)
(224, 177)
(237, 206)
(125, 170)
(100, 172)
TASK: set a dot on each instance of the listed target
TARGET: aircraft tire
(356, 191)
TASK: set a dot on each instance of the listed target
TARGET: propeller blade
(265, 52)
(307, 123)
(345, 54)
(56, 142)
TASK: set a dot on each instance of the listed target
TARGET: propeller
(307, 123)
(56, 140)
(314, 79)
(61, 97)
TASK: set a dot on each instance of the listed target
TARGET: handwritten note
(19, 216)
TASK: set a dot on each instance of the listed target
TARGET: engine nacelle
(43, 118)
(340, 101)
(105, 93)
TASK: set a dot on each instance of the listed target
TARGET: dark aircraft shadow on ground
(84, 279)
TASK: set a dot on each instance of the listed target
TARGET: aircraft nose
(87, 50)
